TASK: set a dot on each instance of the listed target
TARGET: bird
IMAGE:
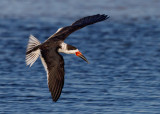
(49, 52)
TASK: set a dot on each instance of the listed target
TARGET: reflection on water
(122, 77)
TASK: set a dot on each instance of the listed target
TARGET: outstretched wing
(54, 66)
(90, 20)
(62, 33)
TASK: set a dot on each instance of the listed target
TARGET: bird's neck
(67, 49)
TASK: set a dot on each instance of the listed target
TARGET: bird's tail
(33, 50)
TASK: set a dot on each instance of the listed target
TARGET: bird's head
(79, 54)
(68, 49)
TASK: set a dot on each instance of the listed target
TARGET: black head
(69, 47)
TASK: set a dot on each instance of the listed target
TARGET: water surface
(123, 74)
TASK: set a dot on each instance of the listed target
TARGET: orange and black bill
(79, 54)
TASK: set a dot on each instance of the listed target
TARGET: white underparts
(64, 49)
(33, 56)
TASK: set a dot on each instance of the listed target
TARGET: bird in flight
(49, 51)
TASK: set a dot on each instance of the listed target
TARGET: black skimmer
(49, 52)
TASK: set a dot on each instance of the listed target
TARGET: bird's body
(49, 52)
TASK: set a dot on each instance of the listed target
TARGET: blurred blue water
(122, 77)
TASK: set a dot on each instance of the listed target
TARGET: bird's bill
(79, 54)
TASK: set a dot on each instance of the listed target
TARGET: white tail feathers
(33, 55)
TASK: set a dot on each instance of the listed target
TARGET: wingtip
(106, 16)
(54, 99)
(103, 16)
